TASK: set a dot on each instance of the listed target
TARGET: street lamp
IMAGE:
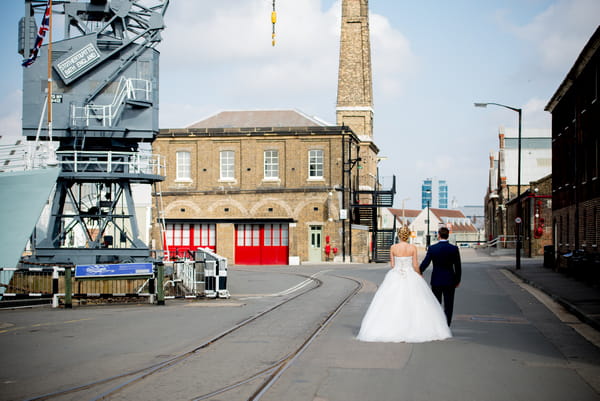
(519, 219)
(428, 191)
(403, 218)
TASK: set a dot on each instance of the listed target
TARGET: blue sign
(122, 269)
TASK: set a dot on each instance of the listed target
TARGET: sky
(431, 61)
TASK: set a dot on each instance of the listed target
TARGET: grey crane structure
(104, 105)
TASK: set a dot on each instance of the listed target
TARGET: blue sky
(431, 61)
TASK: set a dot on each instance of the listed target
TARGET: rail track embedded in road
(272, 372)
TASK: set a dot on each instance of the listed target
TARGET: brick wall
(293, 198)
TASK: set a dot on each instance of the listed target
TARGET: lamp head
(484, 105)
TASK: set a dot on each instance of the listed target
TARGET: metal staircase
(365, 207)
(384, 239)
(130, 91)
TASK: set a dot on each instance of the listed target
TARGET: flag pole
(49, 99)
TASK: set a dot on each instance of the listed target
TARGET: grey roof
(258, 118)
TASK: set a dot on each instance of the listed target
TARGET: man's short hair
(444, 232)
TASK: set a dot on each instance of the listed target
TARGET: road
(507, 344)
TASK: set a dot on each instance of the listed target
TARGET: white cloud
(392, 58)
(208, 32)
(232, 41)
(534, 115)
(560, 32)
(178, 115)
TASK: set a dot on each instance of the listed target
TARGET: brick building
(277, 186)
(575, 109)
(462, 230)
(502, 199)
(272, 195)
(536, 212)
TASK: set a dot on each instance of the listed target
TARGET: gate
(261, 244)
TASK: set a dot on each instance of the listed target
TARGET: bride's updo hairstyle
(404, 233)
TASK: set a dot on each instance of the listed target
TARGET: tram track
(112, 386)
(290, 360)
(142, 373)
(274, 371)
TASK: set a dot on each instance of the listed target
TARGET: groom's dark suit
(446, 273)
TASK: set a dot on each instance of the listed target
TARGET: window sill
(228, 180)
(274, 180)
(185, 181)
(320, 179)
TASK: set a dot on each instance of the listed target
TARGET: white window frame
(316, 166)
(227, 165)
(271, 165)
(183, 169)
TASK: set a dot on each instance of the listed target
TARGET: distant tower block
(355, 87)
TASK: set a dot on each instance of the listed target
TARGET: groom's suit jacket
(446, 264)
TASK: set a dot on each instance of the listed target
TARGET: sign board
(115, 270)
(518, 220)
(76, 63)
(343, 214)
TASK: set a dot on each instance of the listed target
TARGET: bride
(404, 309)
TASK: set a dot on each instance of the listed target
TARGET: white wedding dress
(404, 309)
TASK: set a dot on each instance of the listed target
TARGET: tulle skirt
(404, 310)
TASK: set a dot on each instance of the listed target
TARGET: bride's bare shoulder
(403, 249)
(413, 250)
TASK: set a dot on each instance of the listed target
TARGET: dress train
(404, 309)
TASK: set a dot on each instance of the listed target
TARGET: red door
(181, 240)
(261, 244)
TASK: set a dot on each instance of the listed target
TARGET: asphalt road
(507, 344)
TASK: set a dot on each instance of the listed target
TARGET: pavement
(578, 297)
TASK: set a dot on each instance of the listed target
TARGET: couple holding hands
(404, 308)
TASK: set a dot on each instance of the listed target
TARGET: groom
(445, 277)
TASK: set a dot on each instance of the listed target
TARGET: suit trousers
(445, 292)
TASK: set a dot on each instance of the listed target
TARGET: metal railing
(78, 161)
(105, 115)
(502, 241)
(27, 155)
(185, 280)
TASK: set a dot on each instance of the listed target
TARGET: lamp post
(403, 217)
(428, 232)
(518, 219)
(428, 237)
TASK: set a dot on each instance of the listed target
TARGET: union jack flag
(39, 40)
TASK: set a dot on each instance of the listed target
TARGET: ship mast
(49, 99)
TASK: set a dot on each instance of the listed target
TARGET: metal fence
(33, 282)
(58, 285)
(205, 276)
(184, 279)
(503, 241)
